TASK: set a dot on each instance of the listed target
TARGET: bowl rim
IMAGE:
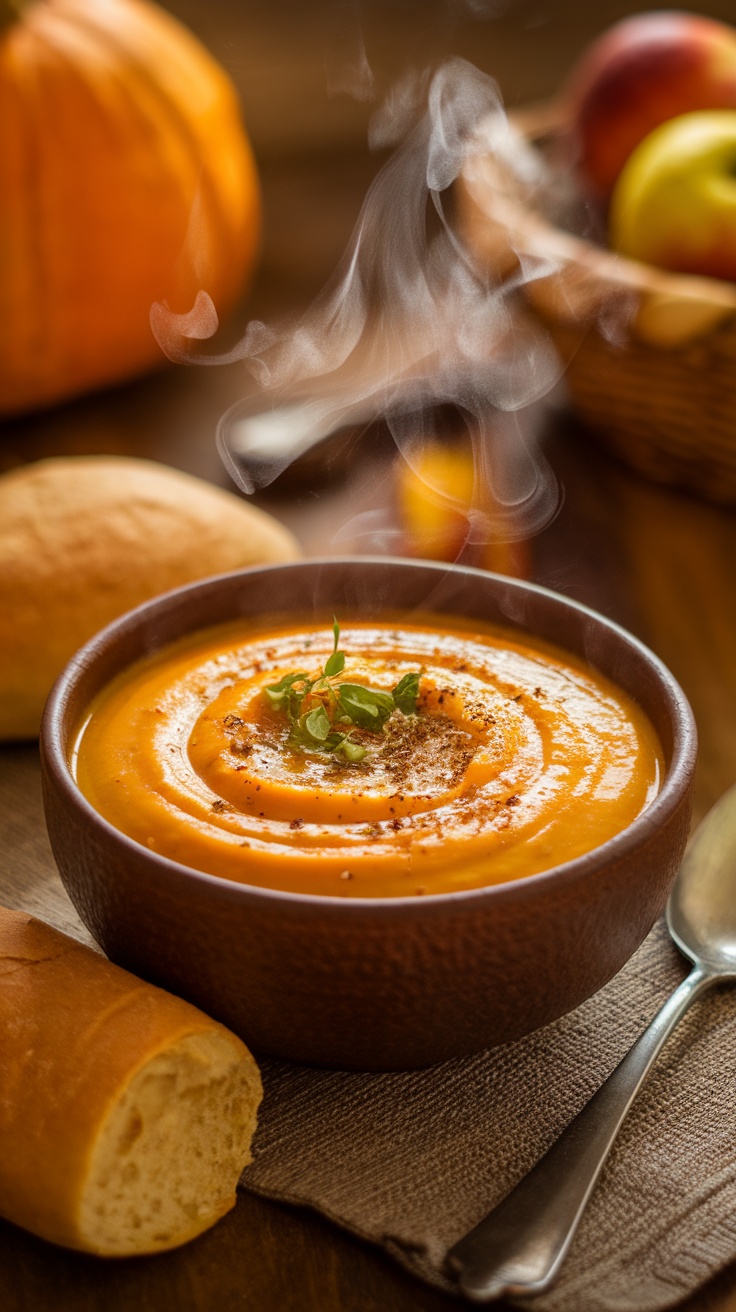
(654, 816)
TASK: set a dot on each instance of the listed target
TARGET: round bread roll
(85, 538)
(126, 1115)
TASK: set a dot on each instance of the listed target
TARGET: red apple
(638, 74)
(675, 201)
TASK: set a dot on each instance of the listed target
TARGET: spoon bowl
(701, 911)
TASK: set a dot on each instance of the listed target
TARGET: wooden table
(659, 562)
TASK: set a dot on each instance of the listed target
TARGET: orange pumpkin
(125, 178)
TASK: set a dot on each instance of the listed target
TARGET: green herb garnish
(323, 714)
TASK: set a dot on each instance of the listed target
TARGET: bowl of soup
(370, 813)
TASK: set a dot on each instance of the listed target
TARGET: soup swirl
(514, 757)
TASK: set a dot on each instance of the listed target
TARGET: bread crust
(84, 539)
(75, 1031)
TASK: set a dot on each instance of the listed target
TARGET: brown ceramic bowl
(371, 983)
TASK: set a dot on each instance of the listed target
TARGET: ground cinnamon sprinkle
(423, 749)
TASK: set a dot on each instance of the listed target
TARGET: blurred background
(285, 58)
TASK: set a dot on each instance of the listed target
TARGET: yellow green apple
(674, 204)
(640, 73)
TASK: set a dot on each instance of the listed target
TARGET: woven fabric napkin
(411, 1161)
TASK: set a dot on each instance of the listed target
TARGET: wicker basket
(650, 355)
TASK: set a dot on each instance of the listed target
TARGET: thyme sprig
(323, 714)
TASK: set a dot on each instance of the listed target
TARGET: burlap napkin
(412, 1161)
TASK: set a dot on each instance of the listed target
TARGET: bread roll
(85, 538)
(126, 1115)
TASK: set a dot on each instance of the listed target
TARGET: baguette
(85, 538)
(126, 1115)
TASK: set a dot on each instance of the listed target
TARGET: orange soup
(392, 759)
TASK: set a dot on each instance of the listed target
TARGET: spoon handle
(519, 1247)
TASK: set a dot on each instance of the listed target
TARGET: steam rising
(408, 322)
(347, 67)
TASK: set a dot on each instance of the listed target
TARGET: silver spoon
(520, 1246)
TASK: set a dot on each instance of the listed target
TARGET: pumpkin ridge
(139, 56)
(65, 45)
(73, 25)
(228, 227)
(27, 307)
